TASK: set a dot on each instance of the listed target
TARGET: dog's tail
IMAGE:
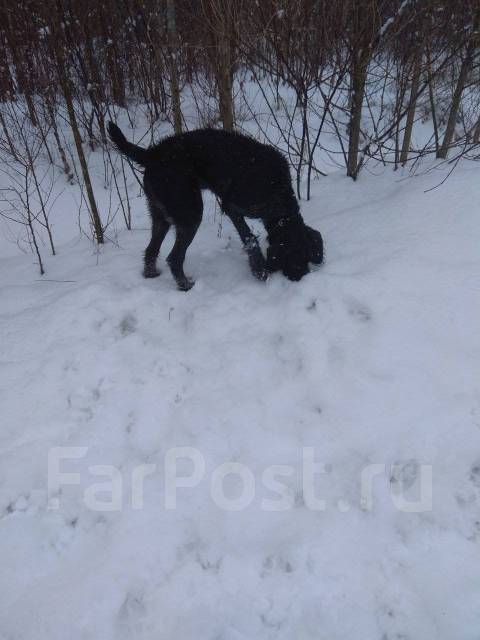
(133, 151)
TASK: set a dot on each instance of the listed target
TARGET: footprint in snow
(15, 506)
(277, 564)
(404, 473)
(130, 616)
(474, 475)
(359, 311)
(128, 324)
(208, 565)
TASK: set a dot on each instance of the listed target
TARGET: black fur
(250, 179)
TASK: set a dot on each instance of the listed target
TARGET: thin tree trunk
(465, 69)
(128, 217)
(224, 82)
(45, 142)
(457, 96)
(431, 97)
(45, 223)
(359, 76)
(11, 146)
(95, 216)
(401, 90)
(31, 109)
(412, 105)
(30, 223)
(66, 166)
(174, 87)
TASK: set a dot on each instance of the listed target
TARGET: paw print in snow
(128, 324)
(404, 473)
(359, 311)
(474, 475)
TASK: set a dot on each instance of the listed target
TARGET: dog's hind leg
(258, 265)
(176, 258)
(160, 227)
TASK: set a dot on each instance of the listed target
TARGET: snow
(371, 359)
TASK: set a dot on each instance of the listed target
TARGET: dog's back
(238, 169)
(233, 166)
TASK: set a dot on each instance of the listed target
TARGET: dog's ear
(315, 243)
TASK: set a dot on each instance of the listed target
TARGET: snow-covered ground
(371, 364)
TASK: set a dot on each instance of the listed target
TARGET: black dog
(250, 179)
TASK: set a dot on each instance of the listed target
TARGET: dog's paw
(185, 284)
(258, 265)
(151, 271)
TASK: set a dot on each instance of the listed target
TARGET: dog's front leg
(258, 265)
(257, 262)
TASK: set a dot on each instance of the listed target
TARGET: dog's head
(292, 248)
